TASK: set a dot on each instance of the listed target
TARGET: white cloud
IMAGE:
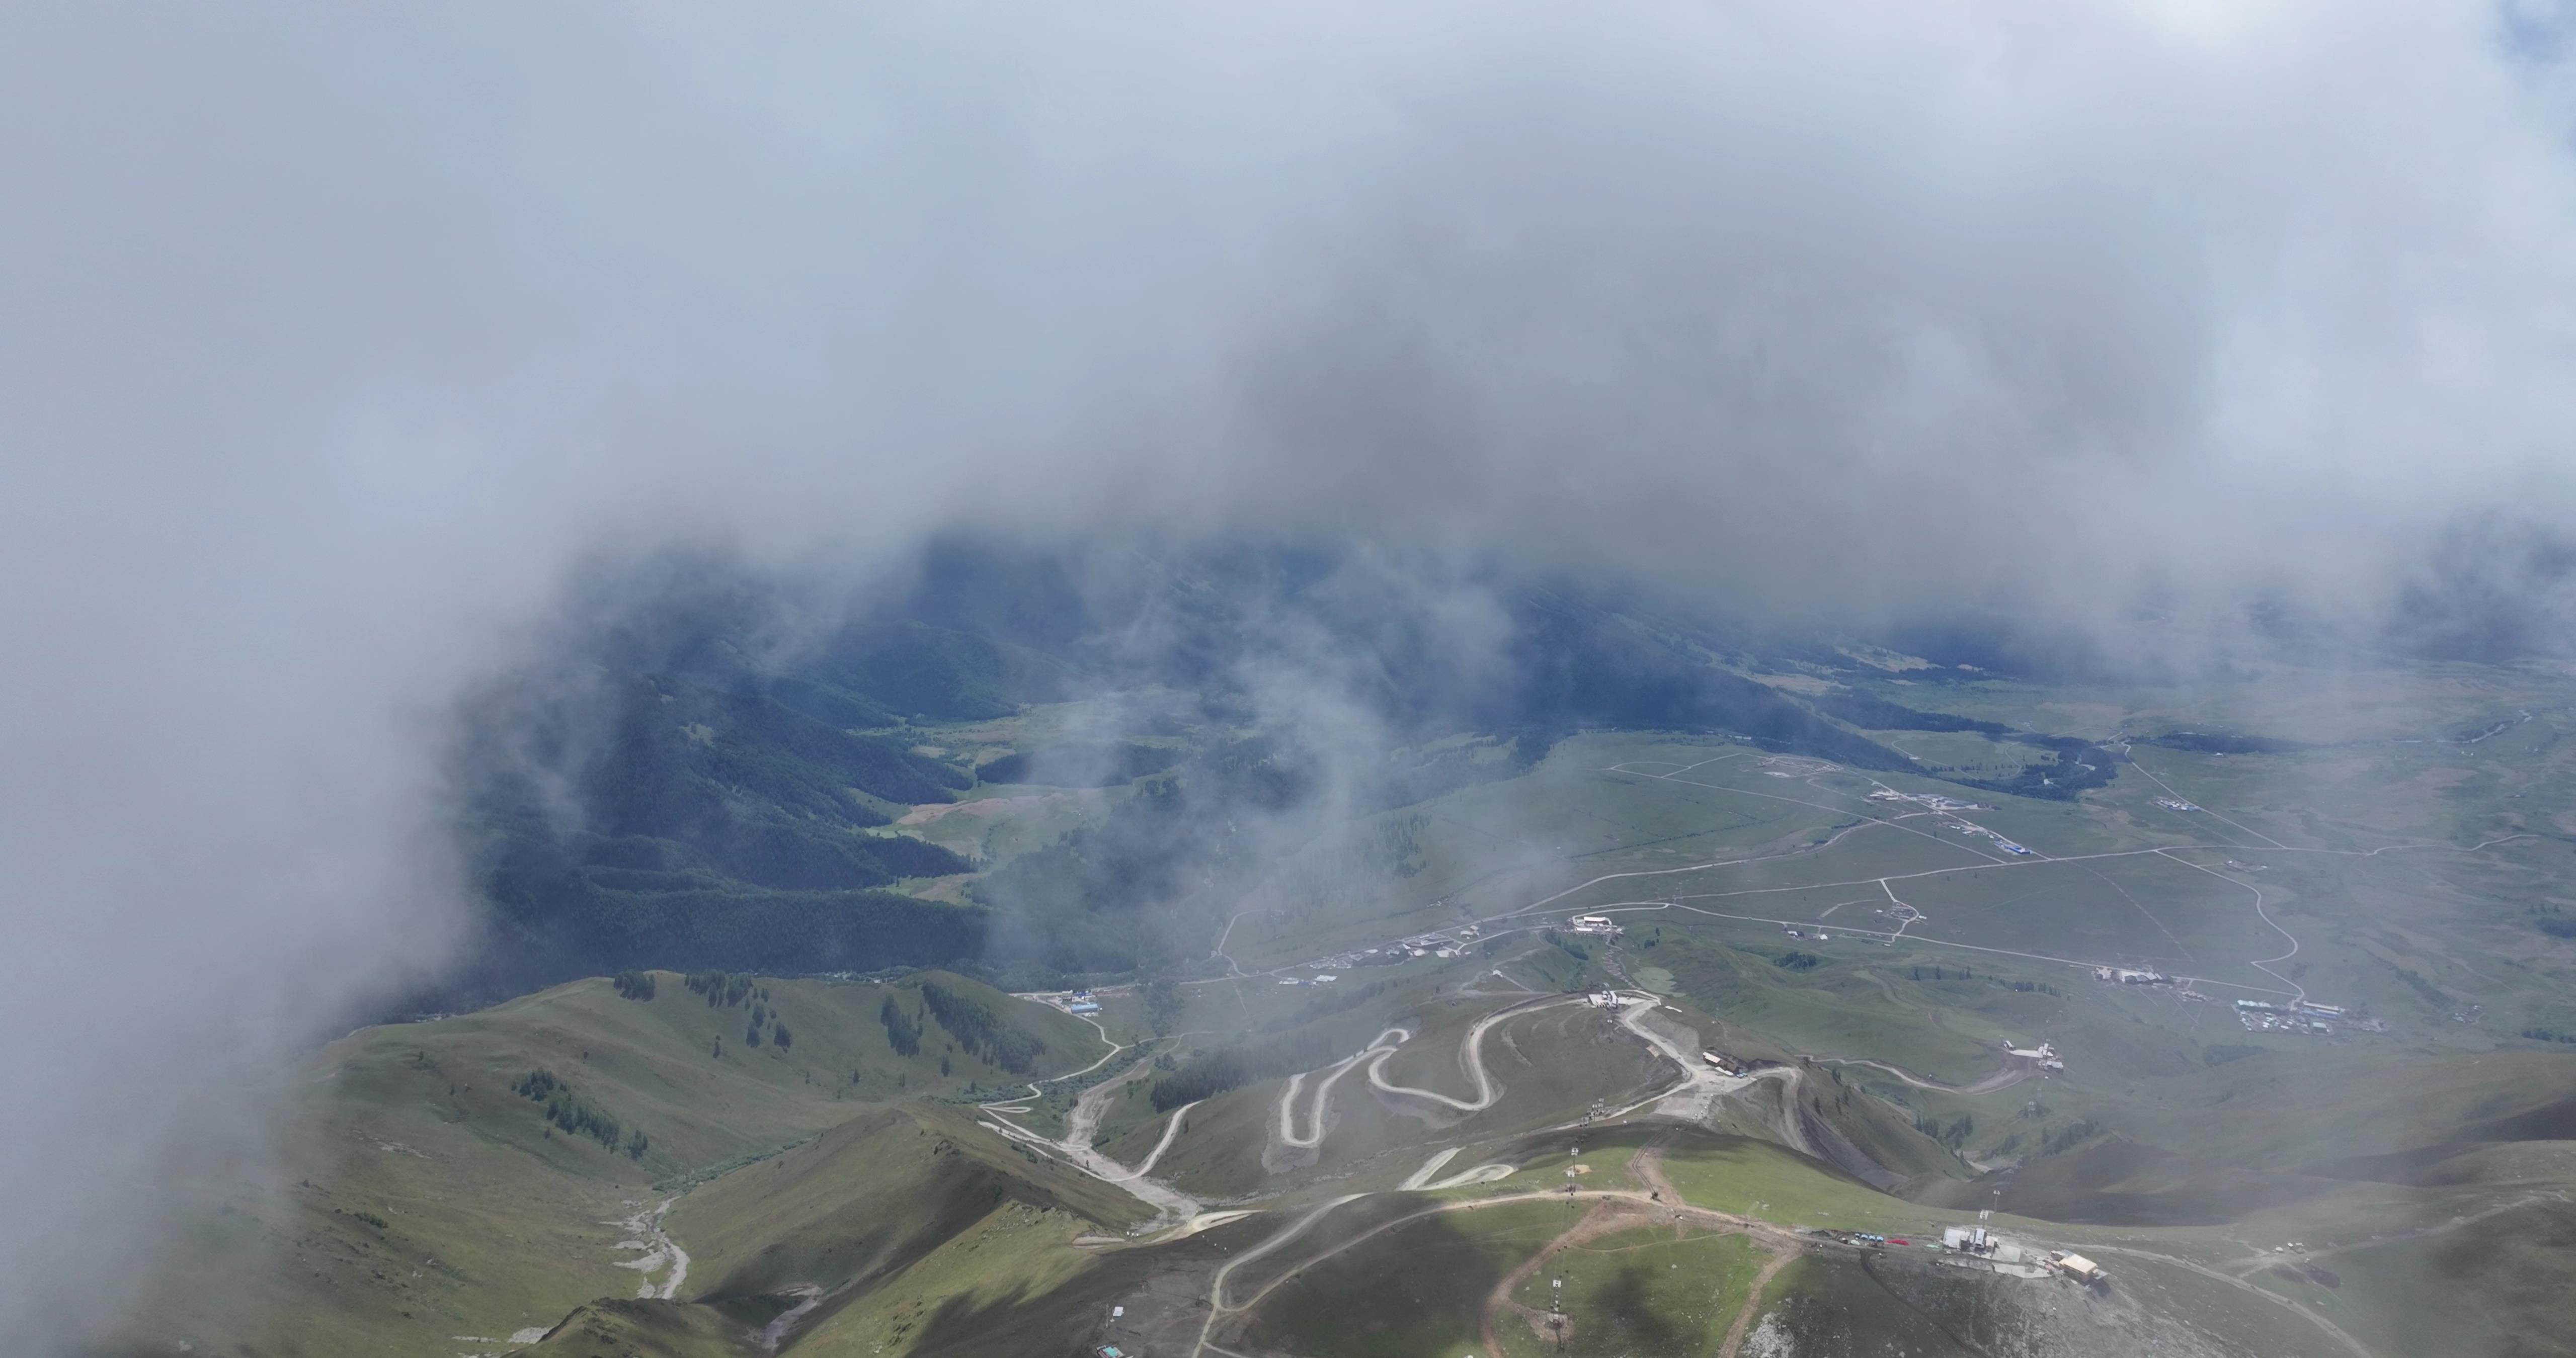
(330, 340)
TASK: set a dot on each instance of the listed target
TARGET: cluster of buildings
(1403, 950)
(1602, 925)
(2043, 1054)
(1976, 1242)
(1976, 1247)
(1969, 827)
(2175, 804)
(1937, 803)
(2301, 1016)
(2148, 976)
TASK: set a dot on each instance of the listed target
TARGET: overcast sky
(332, 337)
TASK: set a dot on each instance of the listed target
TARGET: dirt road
(2002, 1079)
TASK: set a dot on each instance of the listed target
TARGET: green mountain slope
(431, 1198)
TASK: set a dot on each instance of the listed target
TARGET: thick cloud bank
(332, 338)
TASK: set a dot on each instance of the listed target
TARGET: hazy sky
(332, 337)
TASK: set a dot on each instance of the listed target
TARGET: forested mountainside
(708, 777)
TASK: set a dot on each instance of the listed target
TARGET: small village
(1974, 1247)
(2303, 1016)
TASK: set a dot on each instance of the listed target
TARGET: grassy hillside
(429, 1198)
(877, 1212)
(907, 1231)
(626, 1327)
(475, 1176)
(869, 1198)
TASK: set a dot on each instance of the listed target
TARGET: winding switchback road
(1471, 1056)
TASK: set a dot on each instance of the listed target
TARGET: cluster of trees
(903, 1031)
(2073, 766)
(725, 810)
(634, 985)
(764, 1018)
(1872, 713)
(2549, 1035)
(979, 1030)
(724, 989)
(1162, 1004)
(2032, 987)
(2432, 994)
(1798, 961)
(577, 1118)
(1203, 1076)
(1953, 1134)
(2069, 1136)
(1210, 1073)
(2556, 926)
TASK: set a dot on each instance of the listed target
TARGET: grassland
(1415, 1290)
(2424, 1165)
(1649, 1289)
(430, 1199)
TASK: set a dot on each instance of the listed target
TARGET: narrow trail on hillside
(1170, 1205)
(1420, 1180)
(2129, 750)
(1603, 1219)
(1991, 863)
(1082, 1123)
(1785, 1244)
(1372, 1059)
(1303, 1113)
(2002, 1079)
(2252, 1262)
(2332, 1330)
(2264, 966)
(1695, 1098)
(1471, 1057)
(1638, 1208)
(808, 1296)
(1378, 1048)
(1217, 1308)
(1171, 1131)
(1734, 1342)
